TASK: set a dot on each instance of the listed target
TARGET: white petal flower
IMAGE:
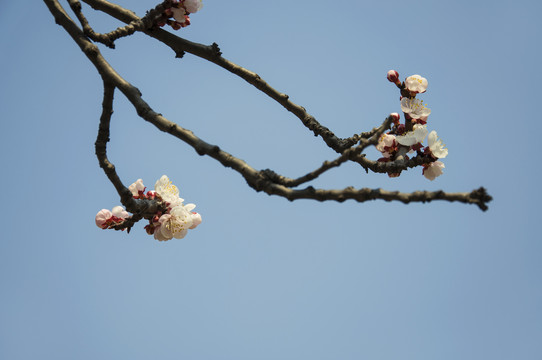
(193, 6)
(196, 220)
(417, 135)
(416, 84)
(119, 212)
(385, 144)
(136, 187)
(433, 170)
(158, 227)
(176, 223)
(102, 217)
(436, 146)
(386, 140)
(178, 14)
(168, 192)
(189, 207)
(415, 108)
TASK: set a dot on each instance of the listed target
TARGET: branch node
(216, 50)
(91, 50)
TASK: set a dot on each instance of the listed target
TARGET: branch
(266, 180)
(212, 53)
(140, 208)
(108, 39)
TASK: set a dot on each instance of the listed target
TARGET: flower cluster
(177, 219)
(408, 137)
(173, 221)
(106, 219)
(177, 16)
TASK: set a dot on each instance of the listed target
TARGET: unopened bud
(396, 118)
(393, 76)
(149, 229)
(175, 25)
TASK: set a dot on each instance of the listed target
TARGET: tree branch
(267, 180)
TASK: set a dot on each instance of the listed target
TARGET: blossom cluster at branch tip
(177, 16)
(173, 220)
(407, 138)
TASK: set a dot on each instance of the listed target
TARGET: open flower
(168, 192)
(174, 225)
(433, 170)
(179, 14)
(436, 147)
(417, 135)
(416, 84)
(415, 108)
(193, 6)
(386, 145)
(196, 218)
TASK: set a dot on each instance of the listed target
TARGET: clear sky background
(263, 278)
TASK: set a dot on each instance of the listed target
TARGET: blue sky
(263, 278)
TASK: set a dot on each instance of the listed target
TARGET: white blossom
(136, 187)
(175, 224)
(416, 84)
(193, 6)
(119, 212)
(196, 220)
(436, 146)
(168, 192)
(417, 135)
(178, 14)
(415, 108)
(433, 170)
(385, 141)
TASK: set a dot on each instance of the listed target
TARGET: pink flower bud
(393, 76)
(396, 118)
(102, 217)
